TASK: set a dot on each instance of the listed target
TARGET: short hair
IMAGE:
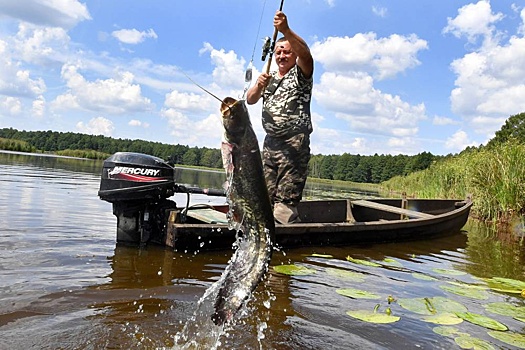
(281, 39)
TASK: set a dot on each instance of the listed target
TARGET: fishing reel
(267, 48)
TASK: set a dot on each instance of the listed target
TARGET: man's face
(284, 57)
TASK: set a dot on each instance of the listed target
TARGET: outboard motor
(138, 186)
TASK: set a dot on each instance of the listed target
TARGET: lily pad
(445, 318)
(372, 317)
(431, 306)
(449, 272)
(294, 270)
(345, 274)
(466, 292)
(481, 320)
(362, 262)
(357, 293)
(423, 277)
(327, 256)
(469, 342)
(511, 338)
(506, 285)
(392, 262)
(468, 285)
(448, 331)
(505, 309)
(507, 290)
(509, 282)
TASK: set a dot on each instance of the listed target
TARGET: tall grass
(495, 177)
(16, 145)
(78, 153)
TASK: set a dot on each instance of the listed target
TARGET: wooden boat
(326, 222)
(140, 186)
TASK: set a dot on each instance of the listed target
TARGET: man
(286, 119)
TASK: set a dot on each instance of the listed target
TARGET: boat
(328, 222)
(139, 186)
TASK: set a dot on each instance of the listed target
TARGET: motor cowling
(138, 185)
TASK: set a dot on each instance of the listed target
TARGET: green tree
(514, 128)
(191, 157)
(328, 166)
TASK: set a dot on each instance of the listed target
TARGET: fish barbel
(250, 212)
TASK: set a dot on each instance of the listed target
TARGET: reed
(78, 153)
(16, 145)
(495, 177)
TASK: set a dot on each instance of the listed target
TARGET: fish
(250, 213)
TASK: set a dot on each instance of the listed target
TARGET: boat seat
(208, 215)
(391, 209)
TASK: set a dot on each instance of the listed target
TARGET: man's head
(284, 56)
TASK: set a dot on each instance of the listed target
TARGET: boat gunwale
(310, 225)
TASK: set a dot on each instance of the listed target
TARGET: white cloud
(133, 36)
(96, 126)
(38, 107)
(398, 145)
(330, 3)
(184, 112)
(521, 29)
(53, 13)
(205, 132)
(459, 141)
(331, 141)
(437, 120)
(489, 85)
(189, 101)
(379, 11)
(473, 20)
(15, 81)
(346, 88)
(193, 117)
(138, 123)
(229, 69)
(115, 95)
(41, 45)
(354, 99)
(10, 105)
(382, 58)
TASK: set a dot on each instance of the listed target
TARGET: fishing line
(249, 69)
(190, 79)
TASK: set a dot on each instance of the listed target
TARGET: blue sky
(391, 77)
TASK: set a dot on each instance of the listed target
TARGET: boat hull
(335, 223)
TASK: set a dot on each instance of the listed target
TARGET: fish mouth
(226, 106)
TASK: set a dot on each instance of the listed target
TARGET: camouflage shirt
(286, 106)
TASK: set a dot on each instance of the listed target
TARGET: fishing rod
(269, 45)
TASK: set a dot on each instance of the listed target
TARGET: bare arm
(256, 91)
(305, 60)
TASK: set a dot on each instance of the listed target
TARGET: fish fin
(227, 160)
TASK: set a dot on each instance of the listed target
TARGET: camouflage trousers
(285, 163)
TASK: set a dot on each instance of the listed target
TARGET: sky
(390, 77)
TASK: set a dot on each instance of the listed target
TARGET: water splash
(200, 332)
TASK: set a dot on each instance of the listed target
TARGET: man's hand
(262, 81)
(257, 90)
(280, 22)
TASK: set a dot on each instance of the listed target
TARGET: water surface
(66, 284)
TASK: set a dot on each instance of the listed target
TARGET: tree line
(346, 167)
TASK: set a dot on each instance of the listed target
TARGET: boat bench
(208, 215)
(391, 209)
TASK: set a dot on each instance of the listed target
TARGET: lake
(66, 284)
